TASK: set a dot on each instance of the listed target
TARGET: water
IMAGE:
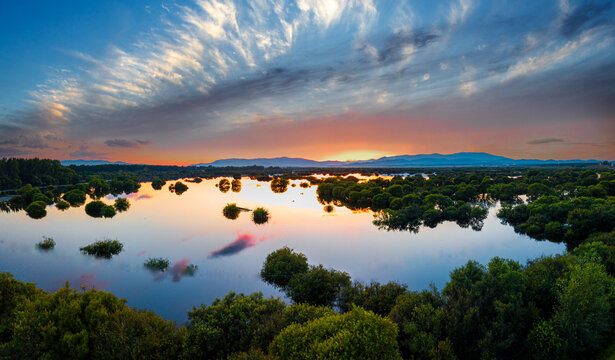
(190, 228)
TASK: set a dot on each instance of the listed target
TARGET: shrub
(282, 265)
(358, 334)
(260, 215)
(157, 184)
(318, 286)
(178, 188)
(157, 264)
(98, 209)
(46, 244)
(75, 197)
(121, 204)
(36, 210)
(231, 211)
(62, 205)
(224, 185)
(103, 248)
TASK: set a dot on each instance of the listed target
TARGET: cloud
(546, 141)
(582, 17)
(13, 152)
(123, 143)
(83, 153)
(32, 142)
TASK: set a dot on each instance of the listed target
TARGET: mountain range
(422, 160)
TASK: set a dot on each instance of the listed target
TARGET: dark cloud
(546, 141)
(393, 50)
(84, 153)
(13, 152)
(143, 142)
(584, 16)
(31, 142)
(121, 143)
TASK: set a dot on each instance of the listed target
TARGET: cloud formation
(210, 68)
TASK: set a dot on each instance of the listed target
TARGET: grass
(46, 244)
(103, 248)
(260, 215)
(156, 264)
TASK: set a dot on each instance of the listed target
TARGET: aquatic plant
(98, 209)
(36, 210)
(62, 205)
(260, 215)
(46, 244)
(236, 185)
(121, 204)
(190, 270)
(231, 211)
(157, 184)
(305, 184)
(103, 248)
(156, 264)
(329, 208)
(178, 188)
(224, 185)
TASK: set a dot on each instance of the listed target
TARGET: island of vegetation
(103, 248)
(260, 216)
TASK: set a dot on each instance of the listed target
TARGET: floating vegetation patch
(36, 210)
(328, 208)
(157, 184)
(75, 197)
(190, 270)
(46, 244)
(231, 211)
(156, 264)
(178, 188)
(121, 204)
(224, 185)
(236, 185)
(196, 180)
(98, 209)
(260, 215)
(103, 248)
(305, 184)
(62, 205)
(279, 185)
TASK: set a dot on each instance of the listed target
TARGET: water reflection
(241, 243)
(192, 225)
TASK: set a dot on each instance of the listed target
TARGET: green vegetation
(552, 308)
(157, 184)
(328, 208)
(279, 185)
(157, 264)
(15, 173)
(98, 209)
(260, 215)
(178, 188)
(190, 270)
(46, 244)
(36, 210)
(236, 185)
(62, 205)
(224, 185)
(75, 197)
(121, 204)
(231, 211)
(196, 180)
(103, 248)
(304, 184)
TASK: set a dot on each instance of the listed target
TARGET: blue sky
(183, 82)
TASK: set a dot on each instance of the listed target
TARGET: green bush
(62, 205)
(260, 215)
(157, 264)
(46, 244)
(98, 209)
(318, 286)
(157, 184)
(356, 335)
(121, 204)
(36, 210)
(75, 197)
(282, 265)
(103, 248)
(231, 211)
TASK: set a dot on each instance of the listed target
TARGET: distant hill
(92, 162)
(422, 160)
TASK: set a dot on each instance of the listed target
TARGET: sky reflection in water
(229, 253)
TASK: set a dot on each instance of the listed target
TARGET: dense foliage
(15, 173)
(260, 215)
(103, 248)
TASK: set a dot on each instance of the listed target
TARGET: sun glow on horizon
(357, 155)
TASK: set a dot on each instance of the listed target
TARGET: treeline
(557, 307)
(15, 173)
(564, 205)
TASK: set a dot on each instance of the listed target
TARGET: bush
(231, 211)
(157, 264)
(75, 197)
(98, 209)
(233, 324)
(178, 188)
(373, 297)
(318, 286)
(358, 334)
(260, 215)
(157, 184)
(103, 248)
(36, 210)
(224, 185)
(46, 244)
(121, 204)
(236, 185)
(62, 205)
(282, 265)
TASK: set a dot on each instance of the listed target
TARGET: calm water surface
(190, 228)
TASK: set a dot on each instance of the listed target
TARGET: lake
(190, 228)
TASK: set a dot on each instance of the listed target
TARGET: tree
(235, 323)
(373, 297)
(318, 286)
(36, 210)
(356, 335)
(282, 265)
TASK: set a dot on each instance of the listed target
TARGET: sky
(170, 82)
